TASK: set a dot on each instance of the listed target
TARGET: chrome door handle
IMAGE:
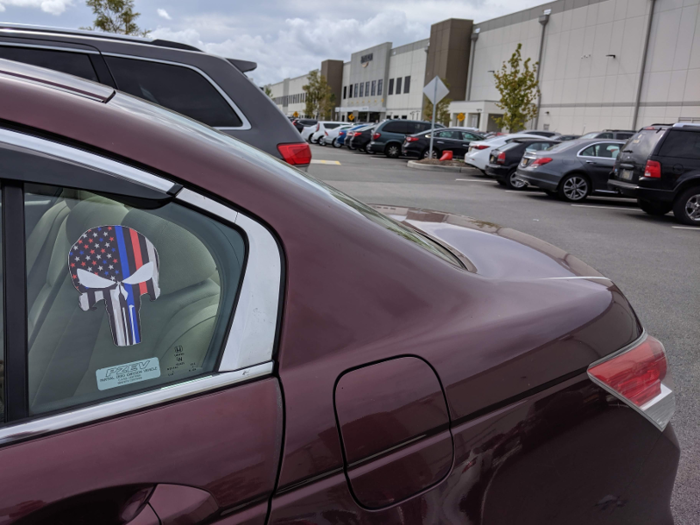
(591, 162)
(439, 142)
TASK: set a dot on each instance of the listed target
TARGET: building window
(391, 87)
(357, 93)
(407, 84)
(374, 87)
(398, 86)
(362, 89)
(350, 90)
(380, 83)
(345, 92)
(367, 88)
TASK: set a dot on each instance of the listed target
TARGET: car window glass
(122, 299)
(422, 126)
(174, 87)
(591, 135)
(331, 126)
(393, 127)
(77, 64)
(605, 136)
(681, 144)
(589, 152)
(624, 136)
(448, 134)
(608, 151)
(469, 136)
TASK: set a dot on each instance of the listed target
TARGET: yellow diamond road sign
(295, 114)
(460, 116)
(351, 117)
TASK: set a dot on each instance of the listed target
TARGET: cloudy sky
(286, 38)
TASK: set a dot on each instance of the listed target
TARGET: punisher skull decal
(118, 265)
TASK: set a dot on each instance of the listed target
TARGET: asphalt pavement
(654, 260)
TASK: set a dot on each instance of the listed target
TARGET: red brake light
(637, 377)
(295, 154)
(318, 127)
(326, 133)
(481, 146)
(652, 170)
(376, 136)
(541, 161)
(501, 157)
(411, 139)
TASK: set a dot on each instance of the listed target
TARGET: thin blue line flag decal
(118, 265)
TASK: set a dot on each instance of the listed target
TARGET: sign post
(435, 90)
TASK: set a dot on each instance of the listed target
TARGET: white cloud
(164, 14)
(54, 7)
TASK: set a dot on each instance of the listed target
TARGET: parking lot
(654, 260)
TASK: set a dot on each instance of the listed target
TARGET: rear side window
(394, 127)
(77, 64)
(643, 143)
(624, 136)
(330, 126)
(538, 146)
(602, 150)
(174, 87)
(681, 144)
(470, 136)
(448, 134)
(122, 299)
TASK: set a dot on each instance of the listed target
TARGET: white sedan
(321, 128)
(330, 135)
(478, 154)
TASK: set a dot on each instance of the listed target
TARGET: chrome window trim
(606, 141)
(245, 123)
(46, 425)
(251, 338)
(84, 158)
(50, 48)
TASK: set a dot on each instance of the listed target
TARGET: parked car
(456, 140)
(564, 138)
(301, 123)
(362, 138)
(480, 150)
(308, 131)
(618, 134)
(504, 161)
(343, 135)
(660, 167)
(390, 134)
(572, 170)
(330, 137)
(303, 357)
(541, 133)
(205, 87)
(321, 130)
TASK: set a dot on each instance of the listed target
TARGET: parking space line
(604, 207)
(331, 162)
(477, 180)
(695, 228)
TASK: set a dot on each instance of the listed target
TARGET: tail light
(326, 133)
(652, 170)
(501, 157)
(295, 154)
(480, 146)
(376, 136)
(639, 376)
(318, 127)
(541, 161)
(411, 139)
(342, 133)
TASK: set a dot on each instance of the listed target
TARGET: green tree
(267, 90)
(320, 99)
(115, 16)
(519, 89)
(442, 112)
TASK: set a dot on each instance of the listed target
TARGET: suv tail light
(411, 139)
(541, 161)
(501, 157)
(295, 154)
(639, 376)
(652, 170)
(376, 136)
(480, 146)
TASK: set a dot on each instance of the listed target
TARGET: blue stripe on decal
(126, 273)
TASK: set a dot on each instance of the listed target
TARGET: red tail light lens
(639, 376)
(541, 161)
(376, 136)
(652, 170)
(480, 146)
(295, 154)
(501, 157)
(326, 133)
(411, 139)
(318, 127)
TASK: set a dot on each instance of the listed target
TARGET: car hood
(491, 250)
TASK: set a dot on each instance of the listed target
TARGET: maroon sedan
(195, 332)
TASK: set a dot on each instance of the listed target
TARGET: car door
(449, 140)
(598, 161)
(137, 348)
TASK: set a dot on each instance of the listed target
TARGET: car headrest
(183, 259)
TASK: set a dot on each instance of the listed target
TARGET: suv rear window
(681, 144)
(174, 87)
(643, 143)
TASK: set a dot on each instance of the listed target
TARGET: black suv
(660, 167)
(389, 135)
(207, 88)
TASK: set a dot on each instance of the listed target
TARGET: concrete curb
(428, 167)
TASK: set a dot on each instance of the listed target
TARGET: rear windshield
(508, 146)
(681, 144)
(643, 143)
(593, 135)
